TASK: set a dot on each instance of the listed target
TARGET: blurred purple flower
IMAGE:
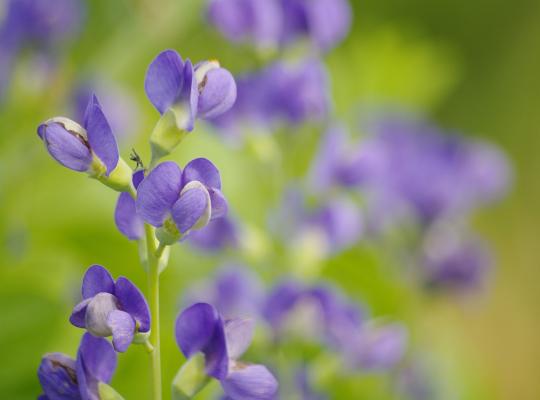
(91, 148)
(204, 91)
(63, 378)
(126, 218)
(235, 292)
(110, 308)
(280, 93)
(180, 201)
(258, 21)
(41, 23)
(218, 235)
(200, 328)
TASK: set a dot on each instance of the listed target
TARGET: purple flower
(452, 259)
(178, 201)
(325, 22)
(200, 329)
(377, 348)
(258, 21)
(204, 91)
(110, 308)
(281, 93)
(63, 378)
(126, 218)
(234, 292)
(218, 235)
(91, 148)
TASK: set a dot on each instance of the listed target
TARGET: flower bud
(217, 89)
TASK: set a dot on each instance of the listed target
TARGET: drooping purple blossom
(201, 329)
(205, 90)
(63, 378)
(40, 23)
(280, 93)
(110, 308)
(234, 292)
(126, 218)
(89, 148)
(180, 201)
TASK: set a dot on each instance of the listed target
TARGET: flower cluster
(272, 23)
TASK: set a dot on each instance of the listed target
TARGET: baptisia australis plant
(157, 206)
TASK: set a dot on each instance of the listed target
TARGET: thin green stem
(153, 299)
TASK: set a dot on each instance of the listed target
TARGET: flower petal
(238, 334)
(97, 313)
(218, 93)
(98, 357)
(199, 329)
(189, 96)
(96, 280)
(158, 192)
(66, 148)
(219, 204)
(251, 382)
(100, 135)
(123, 329)
(190, 209)
(56, 375)
(164, 80)
(133, 302)
(126, 218)
(204, 171)
(78, 314)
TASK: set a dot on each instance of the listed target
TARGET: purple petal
(164, 80)
(250, 382)
(218, 93)
(158, 192)
(133, 302)
(57, 377)
(96, 280)
(100, 135)
(190, 95)
(98, 357)
(66, 148)
(97, 313)
(202, 170)
(123, 329)
(190, 208)
(238, 334)
(219, 203)
(126, 218)
(218, 234)
(78, 314)
(380, 348)
(137, 178)
(88, 385)
(200, 329)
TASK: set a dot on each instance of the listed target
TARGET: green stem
(153, 299)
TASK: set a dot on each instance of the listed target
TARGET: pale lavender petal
(57, 377)
(66, 148)
(218, 234)
(250, 382)
(100, 135)
(238, 334)
(126, 218)
(98, 357)
(189, 208)
(379, 348)
(164, 80)
(96, 280)
(158, 192)
(123, 329)
(219, 203)
(199, 329)
(133, 302)
(97, 313)
(218, 93)
(204, 171)
(78, 314)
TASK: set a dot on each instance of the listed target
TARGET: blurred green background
(470, 66)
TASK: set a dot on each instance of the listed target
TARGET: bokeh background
(469, 66)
